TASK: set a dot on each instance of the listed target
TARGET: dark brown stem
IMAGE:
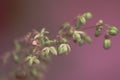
(88, 28)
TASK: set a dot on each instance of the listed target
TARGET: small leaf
(34, 72)
(15, 58)
(63, 39)
(37, 61)
(53, 50)
(45, 51)
(68, 47)
(70, 32)
(37, 36)
(107, 43)
(17, 46)
(81, 42)
(42, 41)
(31, 59)
(48, 42)
(63, 49)
(30, 62)
(60, 50)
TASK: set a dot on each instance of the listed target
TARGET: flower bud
(97, 33)
(107, 43)
(88, 39)
(83, 20)
(81, 42)
(113, 31)
(88, 15)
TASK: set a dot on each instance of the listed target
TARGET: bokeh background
(89, 62)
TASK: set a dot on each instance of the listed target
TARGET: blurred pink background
(89, 62)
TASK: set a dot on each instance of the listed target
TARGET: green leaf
(34, 72)
(62, 49)
(31, 59)
(37, 36)
(70, 32)
(37, 61)
(45, 51)
(48, 42)
(107, 43)
(15, 58)
(17, 46)
(30, 62)
(53, 50)
(64, 39)
(68, 47)
(42, 41)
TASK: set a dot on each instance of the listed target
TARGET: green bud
(76, 36)
(97, 33)
(81, 42)
(83, 20)
(113, 31)
(88, 15)
(78, 23)
(88, 39)
(107, 43)
(66, 25)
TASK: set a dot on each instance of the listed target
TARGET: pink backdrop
(90, 62)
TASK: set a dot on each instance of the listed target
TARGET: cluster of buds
(109, 30)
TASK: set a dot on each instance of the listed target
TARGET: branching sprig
(35, 49)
